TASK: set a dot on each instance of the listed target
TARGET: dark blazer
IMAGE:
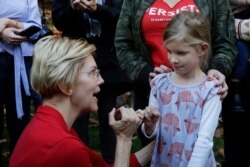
(71, 23)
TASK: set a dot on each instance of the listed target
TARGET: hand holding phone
(29, 31)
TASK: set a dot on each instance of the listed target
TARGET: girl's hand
(151, 116)
(220, 81)
(10, 36)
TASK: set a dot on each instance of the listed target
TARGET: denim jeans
(241, 64)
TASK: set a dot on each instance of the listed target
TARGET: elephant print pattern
(181, 111)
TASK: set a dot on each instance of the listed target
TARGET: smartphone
(29, 31)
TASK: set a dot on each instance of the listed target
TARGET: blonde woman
(65, 74)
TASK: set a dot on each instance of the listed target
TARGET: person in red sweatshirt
(66, 76)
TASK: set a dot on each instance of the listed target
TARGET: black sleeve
(67, 20)
(143, 77)
(109, 12)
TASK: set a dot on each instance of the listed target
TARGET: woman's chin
(90, 109)
(94, 108)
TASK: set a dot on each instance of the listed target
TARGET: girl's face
(185, 59)
(87, 86)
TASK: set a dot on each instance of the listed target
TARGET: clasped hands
(125, 121)
(9, 29)
(81, 5)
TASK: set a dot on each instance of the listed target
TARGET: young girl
(186, 98)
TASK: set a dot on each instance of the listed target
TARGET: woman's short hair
(193, 28)
(57, 60)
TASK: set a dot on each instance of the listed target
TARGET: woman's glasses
(93, 73)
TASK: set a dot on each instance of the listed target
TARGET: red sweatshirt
(46, 142)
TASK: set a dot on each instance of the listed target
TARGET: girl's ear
(204, 48)
(65, 90)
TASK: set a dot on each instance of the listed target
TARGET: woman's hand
(6, 23)
(159, 70)
(10, 36)
(220, 81)
(82, 5)
(3, 24)
(151, 116)
(124, 122)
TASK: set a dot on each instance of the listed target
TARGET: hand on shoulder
(220, 80)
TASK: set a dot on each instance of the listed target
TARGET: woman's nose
(100, 80)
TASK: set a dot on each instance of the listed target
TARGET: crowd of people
(184, 60)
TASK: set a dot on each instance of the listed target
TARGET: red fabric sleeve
(133, 161)
(98, 161)
(68, 152)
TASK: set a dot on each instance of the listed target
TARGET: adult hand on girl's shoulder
(220, 81)
(159, 70)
